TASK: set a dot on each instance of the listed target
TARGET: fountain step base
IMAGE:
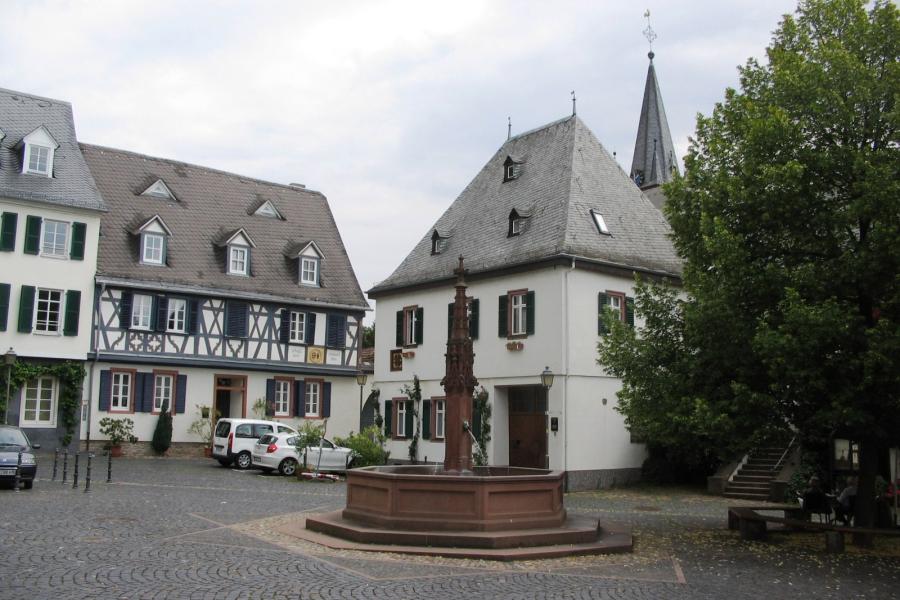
(577, 536)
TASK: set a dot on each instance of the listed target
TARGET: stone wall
(145, 450)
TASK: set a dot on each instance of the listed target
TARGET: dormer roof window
(600, 222)
(512, 168)
(309, 262)
(268, 209)
(238, 244)
(438, 242)
(159, 189)
(154, 241)
(517, 222)
(39, 148)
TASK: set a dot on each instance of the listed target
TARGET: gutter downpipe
(566, 369)
(95, 341)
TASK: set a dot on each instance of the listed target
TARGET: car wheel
(288, 467)
(224, 462)
(243, 461)
(28, 484)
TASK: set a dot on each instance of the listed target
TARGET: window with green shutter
(73, 309)
(26, 309)
(4, 304)
(79, 235)
(503, 316)
(8, 223)
(32, 234)
(388, 417)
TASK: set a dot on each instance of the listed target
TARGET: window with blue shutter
(181, 394)
(326, 399)
(125, 305)
(104, 391)
(143, 392)
(311, 328)
(270, 397)
(336, 328)
(236, 318)
(161, 313)
(299, 397)
(284, 327)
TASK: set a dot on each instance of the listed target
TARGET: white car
(234, 439)
(279, 451)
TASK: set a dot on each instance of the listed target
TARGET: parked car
(279, 451)
(233, 439)
(12, 441)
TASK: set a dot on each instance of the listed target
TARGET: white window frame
(298, 327)
(440, 418)
(616, 301)
(312, 405)
(282, 398)
(48, 159)
(55, 250)
(149, 253)
(32, 392)
(238, 260)
(600, 222)
(510, 171)
(163, 392)
(141, 311)
(176, 315)
(516, 226)
(121, 391)
(309, 265)
(518, 307)
(410, 324)
(401, 418)
(43, 326)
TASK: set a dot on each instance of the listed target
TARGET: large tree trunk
(864, 513)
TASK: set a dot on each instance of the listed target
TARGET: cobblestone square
(192, 529)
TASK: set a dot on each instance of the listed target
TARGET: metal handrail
(784, 455)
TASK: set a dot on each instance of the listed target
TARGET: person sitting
(846, 501)
(814, 501)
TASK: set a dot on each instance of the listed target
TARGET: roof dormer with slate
(38, 149)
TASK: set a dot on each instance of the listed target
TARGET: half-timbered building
(219, 294)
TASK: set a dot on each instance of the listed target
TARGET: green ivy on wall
(70, 376)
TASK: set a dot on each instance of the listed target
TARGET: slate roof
(211, 205)
(72, 184)
(565, 173)
(654, 154)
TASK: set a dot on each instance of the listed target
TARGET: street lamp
(9, 359)
(547, 378)
(361, 380)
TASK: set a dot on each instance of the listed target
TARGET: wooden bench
(752, 526)
(790, 511)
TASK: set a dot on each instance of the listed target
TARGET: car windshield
(12, 437)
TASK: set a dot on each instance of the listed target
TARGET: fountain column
(459, 383)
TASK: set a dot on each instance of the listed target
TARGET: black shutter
(629, 311)
(388, 417)
(125, 305)
(236, 319)
(602, 303)
(73, 309)
(299, 397)
(181, 394)
(409, 419)
(420, 325)
(449, 320)
(32, 234)
(4, 304)
(400, 339)
(326, 399)
(310, 328)
(426, 419)
(336, 327)
(473, 320)
(270, 397)
(529, 313)
(79, 234)
(284, 329)
(193, 309)
(8, 222)
(502, 316)
(104, 391)
(26, 309)
(162, 313)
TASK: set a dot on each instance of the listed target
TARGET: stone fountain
(458, 509)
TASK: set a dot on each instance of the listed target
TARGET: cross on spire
(649, 33)
(573, 103)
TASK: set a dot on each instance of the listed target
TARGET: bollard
(65, 465)
(55, 461)
(75, 473)
(87, 478)
(18, 478)
(109, 466)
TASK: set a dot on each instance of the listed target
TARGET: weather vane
(573, 103)
(649, 33)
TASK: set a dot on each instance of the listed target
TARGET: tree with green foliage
(788, 221)
(162, 435)
(369, 335)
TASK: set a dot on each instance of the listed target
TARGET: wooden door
(527, 427)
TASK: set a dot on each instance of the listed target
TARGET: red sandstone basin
(425, 498)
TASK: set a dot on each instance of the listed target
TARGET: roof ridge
(201, 167)
(34, 96)
(537, 129)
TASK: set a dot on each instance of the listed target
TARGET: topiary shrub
(162, 435)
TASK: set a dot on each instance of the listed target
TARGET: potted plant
(118, 431)
(202, 428)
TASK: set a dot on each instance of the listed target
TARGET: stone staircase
(753, 479)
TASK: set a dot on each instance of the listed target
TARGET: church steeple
(654, 161)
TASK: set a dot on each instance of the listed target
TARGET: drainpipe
(95, 342)
(565, 373)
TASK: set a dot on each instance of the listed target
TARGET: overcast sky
(388, 108)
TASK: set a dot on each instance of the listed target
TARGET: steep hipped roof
(565, 174)
(654, 154)
(212, 204)
(72, 184)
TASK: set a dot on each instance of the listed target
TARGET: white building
(49, 226)
(552, 230)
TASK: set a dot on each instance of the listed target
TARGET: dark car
(12, 441)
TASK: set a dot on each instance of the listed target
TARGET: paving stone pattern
(191, 529)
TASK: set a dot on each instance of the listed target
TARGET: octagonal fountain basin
(426, 498)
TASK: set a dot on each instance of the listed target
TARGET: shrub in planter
(118, 431)
(162, 436)
(367, 445)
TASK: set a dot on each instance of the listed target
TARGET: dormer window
(309, 271)
(438, 242)
(600, 222)
(153, 249)
(517, 222)
(238, 245)
(309, 262)
(159, 189)
(38, 148)
(512, 167)
(268, 209)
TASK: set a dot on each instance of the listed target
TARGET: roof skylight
(600, 222)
